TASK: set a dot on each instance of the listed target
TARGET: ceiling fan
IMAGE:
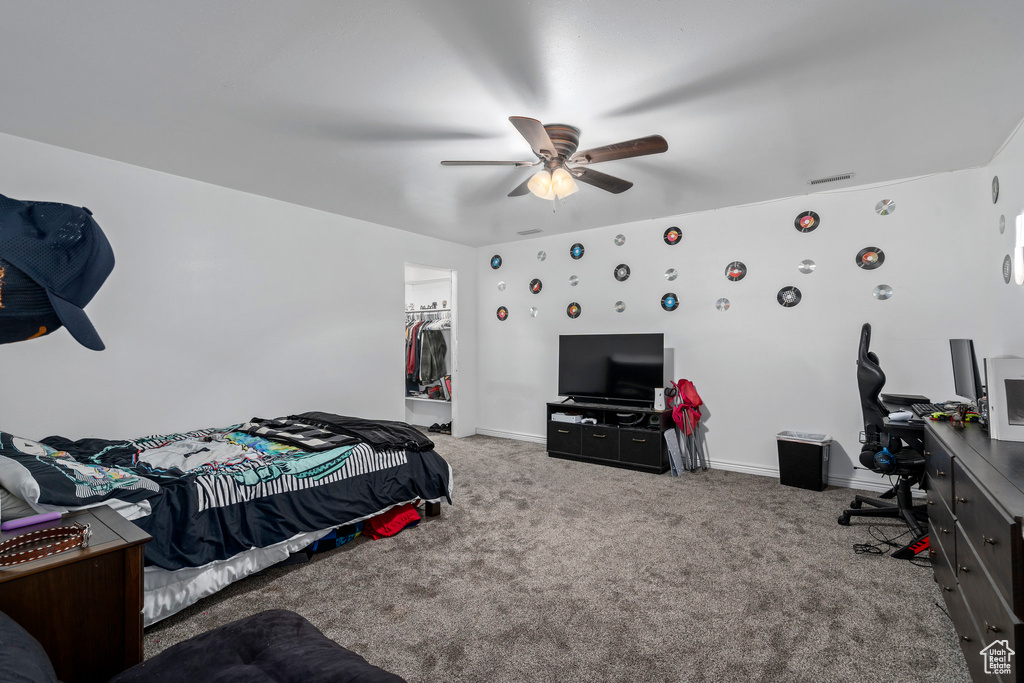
(555, 146)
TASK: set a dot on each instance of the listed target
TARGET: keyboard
(924, 409)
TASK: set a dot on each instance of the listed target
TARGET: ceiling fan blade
(521, 189)
(533, 131)
(608, 183)
(652, 144)
(488, 163)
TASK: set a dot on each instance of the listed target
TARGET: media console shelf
(623, 436)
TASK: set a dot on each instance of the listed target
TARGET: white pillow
(12, 507)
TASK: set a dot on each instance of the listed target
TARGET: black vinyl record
(502, 313)
(576, 251)
(536, 285)
(621, 272)
(573, 310)
(735, 271)
(870, 258)
(495, 262)
(789, 296)
(670, 301)
(807, 221)
(673, 236)
(995, 189)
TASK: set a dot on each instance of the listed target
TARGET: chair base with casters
(897, 502)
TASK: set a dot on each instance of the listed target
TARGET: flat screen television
(611, 368)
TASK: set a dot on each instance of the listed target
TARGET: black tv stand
(620, 436)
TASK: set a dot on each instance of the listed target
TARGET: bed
(224, 503)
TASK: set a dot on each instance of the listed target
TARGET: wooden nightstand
(83, 605)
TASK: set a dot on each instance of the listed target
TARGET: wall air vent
(529, 232)
(830, 179)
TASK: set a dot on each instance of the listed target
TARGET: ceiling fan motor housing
(565, 138)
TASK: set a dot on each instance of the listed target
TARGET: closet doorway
(431, 348)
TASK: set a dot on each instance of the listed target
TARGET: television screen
(611, 367)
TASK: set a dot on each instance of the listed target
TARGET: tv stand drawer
(564, 437)
(601, 442)
(640, 447)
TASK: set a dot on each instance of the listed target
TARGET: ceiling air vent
(529, 232)
(830, 179)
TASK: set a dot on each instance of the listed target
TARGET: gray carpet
(552, 570)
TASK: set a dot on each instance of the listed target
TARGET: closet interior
(429, 346)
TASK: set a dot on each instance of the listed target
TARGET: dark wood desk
(975, 513)
(84, 605)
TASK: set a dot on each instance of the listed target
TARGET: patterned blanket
(213, 493)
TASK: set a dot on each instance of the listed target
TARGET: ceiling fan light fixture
(562, 183)
(540, 185)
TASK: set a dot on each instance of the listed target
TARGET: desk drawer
(601, 442)
(640, 447)
(992, 616)
(994, 535)
(939, 468)
(966, 633)
(944, 563)
(940, 523)
(564, 437)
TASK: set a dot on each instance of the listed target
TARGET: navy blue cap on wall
(64, 251)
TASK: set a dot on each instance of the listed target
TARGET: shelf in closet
(432, 400)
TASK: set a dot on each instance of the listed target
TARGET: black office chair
(883, 452)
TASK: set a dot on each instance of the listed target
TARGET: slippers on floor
(434, 428)
(446, 428)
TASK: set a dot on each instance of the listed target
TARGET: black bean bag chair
(276, 645)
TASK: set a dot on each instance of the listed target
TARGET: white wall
(1005, 301)
(759, 367)
(222, 306)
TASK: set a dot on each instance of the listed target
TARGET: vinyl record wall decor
(502, 313)
(789, 296)
(573, 310)
(870, 258)
(535, 286)
(806, 221)
(670, 301)
(496, 261)
(673, 236)
(735, 271)
(576, 251)
(621, 272)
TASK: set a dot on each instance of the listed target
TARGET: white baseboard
(532, 438)
(868, 483)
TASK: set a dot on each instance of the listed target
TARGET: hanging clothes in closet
(425, 347)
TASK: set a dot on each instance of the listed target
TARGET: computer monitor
(966, 378)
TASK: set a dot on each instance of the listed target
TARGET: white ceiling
(349, 106)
